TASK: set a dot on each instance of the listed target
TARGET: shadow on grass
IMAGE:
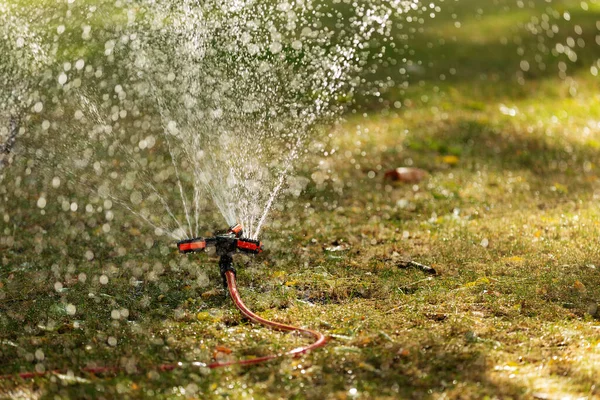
(408, 370)
(502, 148)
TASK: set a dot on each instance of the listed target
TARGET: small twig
(394, 309)
(416, 265)
(308, 303)
(419, 281)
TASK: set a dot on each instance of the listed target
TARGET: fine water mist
(177, 108)
(238, 88)
(24, 59)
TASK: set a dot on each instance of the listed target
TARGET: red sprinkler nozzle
(249, 246)
(237, 230)
(191, 245)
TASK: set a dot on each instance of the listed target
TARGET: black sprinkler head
(226, 245)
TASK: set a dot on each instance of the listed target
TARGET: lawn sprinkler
(226, 245)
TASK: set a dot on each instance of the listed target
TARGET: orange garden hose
(320, 340)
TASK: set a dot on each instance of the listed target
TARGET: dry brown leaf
(580, 287)
(211, 293)
(406, 175)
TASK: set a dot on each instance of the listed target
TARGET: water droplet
(79, 64)
(71, 309)
(136, 198)
(39, 355)
(275, 47)
(62, 78)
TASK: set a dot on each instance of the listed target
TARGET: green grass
(510, 222)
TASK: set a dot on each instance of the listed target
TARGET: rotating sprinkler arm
(227, 243)
(237, 230)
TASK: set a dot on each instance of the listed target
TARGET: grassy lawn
(508, 217)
